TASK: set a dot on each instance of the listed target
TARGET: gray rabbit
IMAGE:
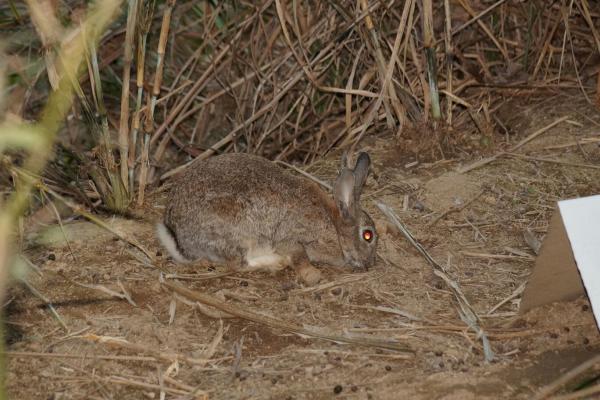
(246, 212)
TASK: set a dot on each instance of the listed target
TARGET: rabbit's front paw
(308, 274)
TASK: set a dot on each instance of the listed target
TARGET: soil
(465, 221)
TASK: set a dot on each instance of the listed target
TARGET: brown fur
(236, 208)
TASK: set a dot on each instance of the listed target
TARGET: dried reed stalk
(347, 80)
(430, 57)
(139, 348)
(282, 325)
(149, 118)
(132, 11)
(146, 11)
(380, 64)
(466, 311)
(115, 192)
(449, 59)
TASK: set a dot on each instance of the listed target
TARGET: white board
(581, 218)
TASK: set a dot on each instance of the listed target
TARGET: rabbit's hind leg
(298, 258)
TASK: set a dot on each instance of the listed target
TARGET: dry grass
(428, 87)
(291, 81)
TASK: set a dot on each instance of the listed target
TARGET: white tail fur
(168, 241)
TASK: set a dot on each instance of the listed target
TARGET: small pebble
(419, 206)
(336, 291)
(338, 389)
(586, 340)
(585, 307)
(388, 368)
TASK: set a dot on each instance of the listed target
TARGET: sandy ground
(471, 223)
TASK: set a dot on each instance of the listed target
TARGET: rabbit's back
(232, 202)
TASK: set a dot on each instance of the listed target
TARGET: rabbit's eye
(367, 235)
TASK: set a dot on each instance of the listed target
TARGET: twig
(124, 344)
(548, 160)
(80, 356)
(581, 394)
(517, 292)
(485, 161)
(306, 174)
(546, 391)
(39, 295)
(466, 312)
(280, 324)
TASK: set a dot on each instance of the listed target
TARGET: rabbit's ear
(361, 170)
(344, 194)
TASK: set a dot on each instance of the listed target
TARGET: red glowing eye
(367, 235)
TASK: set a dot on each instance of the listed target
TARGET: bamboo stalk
(429, 45)
(145, 21)
(116, 197)
(449, 60)
(149, 120)
(132, 12)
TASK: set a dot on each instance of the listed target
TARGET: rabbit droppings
(246, 212)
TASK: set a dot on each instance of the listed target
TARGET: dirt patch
(450, 190)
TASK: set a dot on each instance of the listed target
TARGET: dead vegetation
(478, 115)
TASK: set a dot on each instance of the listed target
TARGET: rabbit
(246, 212)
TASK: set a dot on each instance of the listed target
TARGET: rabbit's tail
(167, 238)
